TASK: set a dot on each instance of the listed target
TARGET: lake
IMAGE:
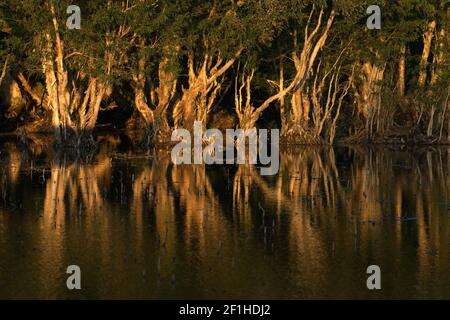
(140, 227)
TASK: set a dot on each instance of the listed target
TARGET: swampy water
(140, 227)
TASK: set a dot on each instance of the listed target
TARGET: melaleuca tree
(77, 66)
(152, 58)
(311, 107)
(209, 38)
(378, 58)
(434, 73)
(305, 109)
(212, 36)
(176, 61)
(410, 29)
(188, 46)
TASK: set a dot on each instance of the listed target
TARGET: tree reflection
(327, 215)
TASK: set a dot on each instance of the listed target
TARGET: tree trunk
(370, 94)
(39, 101)
(401, 72)
(154, 111)
(300, 102)
(427, 41)
(439, 55)
(204, 85)
(51, 84)
(300, 107)
(74, 108)
(4, 69)
(12, 97)
(88, 112)
(139, 94)
(167, 87)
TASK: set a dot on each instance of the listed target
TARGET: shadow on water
(141, 227)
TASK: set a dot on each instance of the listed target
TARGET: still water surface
(142, 228)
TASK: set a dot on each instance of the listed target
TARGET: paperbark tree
(204, 84)
(311, 46)
(427, 42)
(153, 106)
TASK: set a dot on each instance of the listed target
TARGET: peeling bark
(370, 94)
(249, 115)
(427, 41)
(154, 110)
(204, 85)
(74, 107)
(300, 102)
(139, 94)
(439, 55)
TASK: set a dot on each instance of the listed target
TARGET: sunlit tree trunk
(153, 106)
(401, 72)
(204, 84)
(4, 70)
(369, 95)
(74, 108)
(327, 95)
(90, 108)
(300, 102)
(439, 55)
(248, 115)
(51, 84)
(427, 41)
(140, 99)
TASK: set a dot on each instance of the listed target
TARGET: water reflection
(141, 227)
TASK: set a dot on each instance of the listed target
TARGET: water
(141, 228)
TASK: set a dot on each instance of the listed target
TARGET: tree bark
(139, 94)
(427, 41)
(39, 101)
(300, 102)
(401, 72)
(4, 69)
(204, 84)
(371, 89)
(439, 55)
(12, 97)
(50, 84)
